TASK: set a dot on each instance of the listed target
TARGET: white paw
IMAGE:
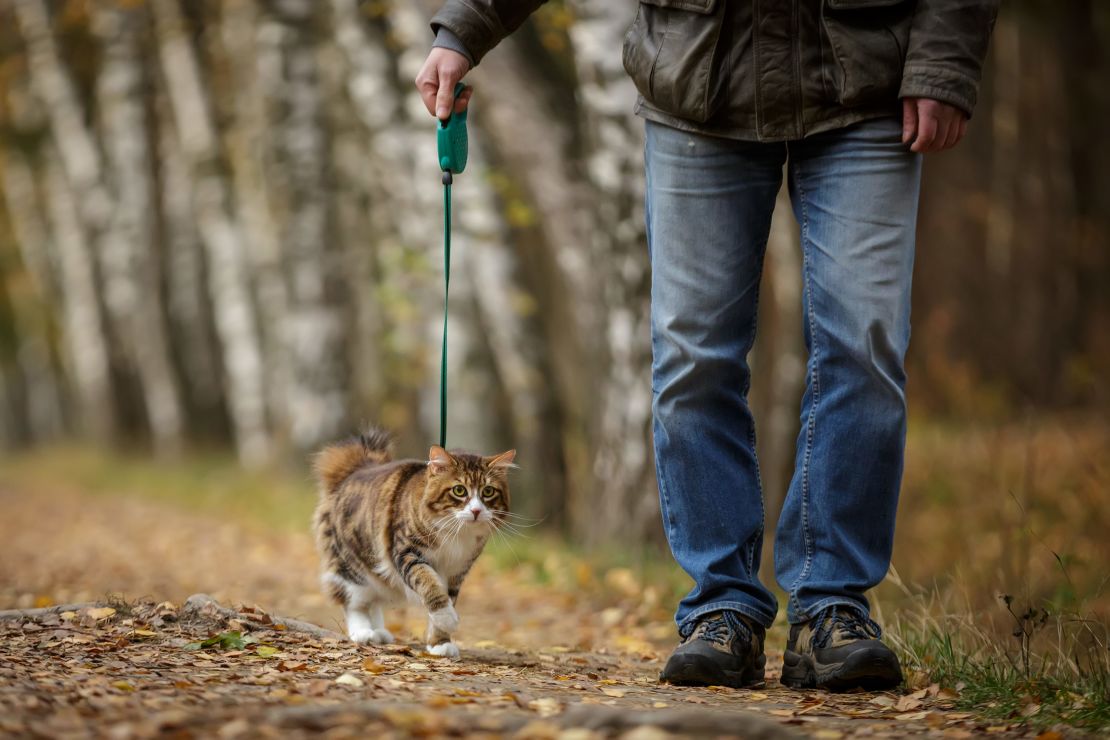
(444, 650)
(367, 636)
(445, 619)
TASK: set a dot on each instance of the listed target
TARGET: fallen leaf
(372, 666)
(906, 703)
(618, 693)
(911, 717)
(349, 679)
(545, 707)
(99, 613)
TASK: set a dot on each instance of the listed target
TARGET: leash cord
(447, 179)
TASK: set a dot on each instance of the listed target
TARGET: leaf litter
(537, 661)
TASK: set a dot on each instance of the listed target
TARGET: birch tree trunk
(314, 330)
(83, 319)
(625, 497)
(187, 305)
(128, 256)
(79, 211)
(253, 69)
(229, 287)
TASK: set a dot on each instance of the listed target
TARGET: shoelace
(722, 628)
(847, 623)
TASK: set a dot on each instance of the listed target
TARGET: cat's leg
(430, 589)
(439, 642)
(365, 622)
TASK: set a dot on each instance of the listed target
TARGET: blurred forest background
(220, 228)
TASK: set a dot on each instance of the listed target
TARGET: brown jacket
(773, 70)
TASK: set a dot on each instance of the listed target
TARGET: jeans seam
(815, 379)
(751, 431)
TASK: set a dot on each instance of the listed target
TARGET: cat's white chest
(451, 557)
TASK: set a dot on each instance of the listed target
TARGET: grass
(1055, 670)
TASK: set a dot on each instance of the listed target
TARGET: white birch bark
(246, 137)
(187, 304)
(314, 329)
(83, 322)
(624, 497)
(128, 255)
(79, 209)
(229, 287)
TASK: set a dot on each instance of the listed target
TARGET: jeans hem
(762, 617)
(804, 614)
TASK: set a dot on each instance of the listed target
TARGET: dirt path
(537, 661)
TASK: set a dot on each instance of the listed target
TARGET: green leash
(451, 143)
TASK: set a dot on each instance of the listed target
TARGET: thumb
(445, 97)
(909, 119)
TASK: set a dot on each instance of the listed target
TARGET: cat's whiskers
(502, 526)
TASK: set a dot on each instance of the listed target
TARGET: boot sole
(869, 669)
(694, 670)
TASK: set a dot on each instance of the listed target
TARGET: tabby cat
(388, 529)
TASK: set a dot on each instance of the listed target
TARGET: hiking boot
(839, 649)
(722, 648)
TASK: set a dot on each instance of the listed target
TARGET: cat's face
(467, 490)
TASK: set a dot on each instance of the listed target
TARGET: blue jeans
(709, 202)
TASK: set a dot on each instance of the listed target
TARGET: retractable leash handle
(451, 141)
(451, 146)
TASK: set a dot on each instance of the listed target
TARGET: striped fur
(390, 529)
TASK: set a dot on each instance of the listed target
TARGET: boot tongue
(844, 625)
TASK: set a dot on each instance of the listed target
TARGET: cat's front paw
(445, 619)
(444, 650)
(368, 636)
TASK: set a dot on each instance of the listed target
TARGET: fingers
(909, 119)
(427, 83)
(436, 82)
(926, 129)
(445, 99)
(463, 100)
(953, 134)
(932, 125)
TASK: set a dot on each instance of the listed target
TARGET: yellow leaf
(618, 693)
(123, 686)
(99, 613)
(372, 666)
(143, 633)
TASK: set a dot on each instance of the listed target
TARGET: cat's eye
(459, 491)
(489, 492)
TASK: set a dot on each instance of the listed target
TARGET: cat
(389, 529)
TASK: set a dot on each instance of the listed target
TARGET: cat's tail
(336, 462)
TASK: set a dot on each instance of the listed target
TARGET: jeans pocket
(866, 41)
(672, 53)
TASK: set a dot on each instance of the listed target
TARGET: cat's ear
(504, 460)
(439, 459)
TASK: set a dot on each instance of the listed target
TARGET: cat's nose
(476, 513)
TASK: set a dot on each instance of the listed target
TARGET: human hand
(436, 82)
(931, 125)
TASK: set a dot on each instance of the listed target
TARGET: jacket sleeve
(481, 24)
(948, 43)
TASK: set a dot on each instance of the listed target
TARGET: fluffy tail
(336, 462)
